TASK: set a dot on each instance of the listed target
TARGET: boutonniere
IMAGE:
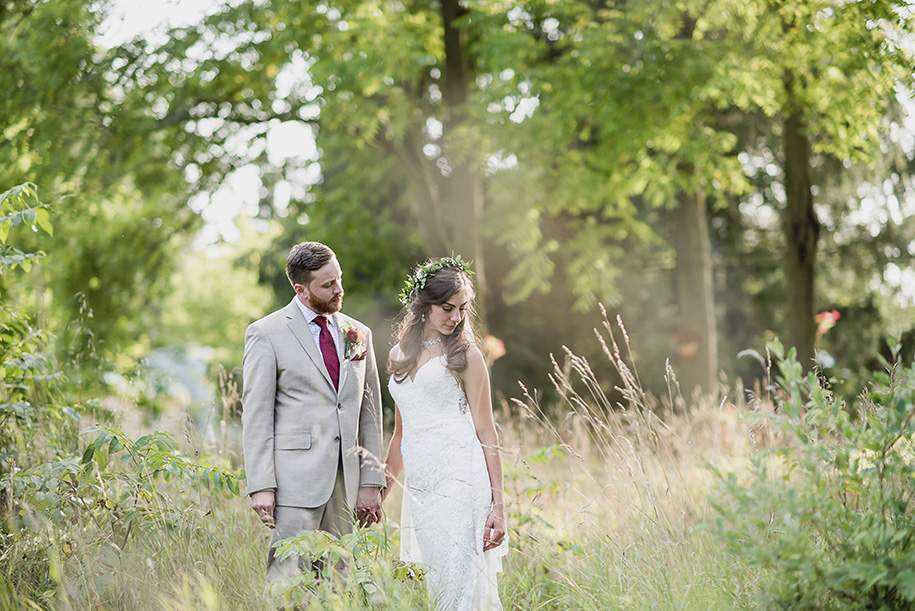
(354, 348)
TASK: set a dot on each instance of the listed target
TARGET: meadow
(718, 173)
(646, 503)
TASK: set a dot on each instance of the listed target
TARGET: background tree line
(711, 171)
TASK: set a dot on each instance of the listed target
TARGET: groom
(311, 414)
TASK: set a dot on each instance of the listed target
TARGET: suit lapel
(296, 322)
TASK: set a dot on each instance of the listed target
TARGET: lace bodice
(437, 427)
(435, 391)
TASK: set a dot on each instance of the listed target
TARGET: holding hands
(368, 506)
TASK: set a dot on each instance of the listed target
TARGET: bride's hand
(494, 532)
(389, 481)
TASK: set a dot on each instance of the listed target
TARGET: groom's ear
(301, 291)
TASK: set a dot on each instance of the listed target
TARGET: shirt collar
(310, 314)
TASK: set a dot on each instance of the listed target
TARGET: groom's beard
(325, 306)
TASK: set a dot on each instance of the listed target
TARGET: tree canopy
(683, 163)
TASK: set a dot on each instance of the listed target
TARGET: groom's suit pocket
(292, 441)
(306, 466)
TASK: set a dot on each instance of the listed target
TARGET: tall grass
(607, 509)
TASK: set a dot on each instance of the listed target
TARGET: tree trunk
(802, 230)
(466, 201)
(465, 184)
(697, 339)
(424, 180)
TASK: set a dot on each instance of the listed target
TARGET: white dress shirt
(315, 328)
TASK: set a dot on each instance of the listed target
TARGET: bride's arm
(393, 460)
(476, 387)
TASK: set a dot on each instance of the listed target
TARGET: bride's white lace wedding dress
(447, 492)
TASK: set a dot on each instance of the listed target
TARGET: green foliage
(119, 484)
(363, 210)
(371, 579)
(827, 511)
(27, 382)
(66, 123)
(108, 265)
(91, 511)
(584, 123)
(50, 84)
(20, 206)
(212, 300)
(61, 507)
(605, 145)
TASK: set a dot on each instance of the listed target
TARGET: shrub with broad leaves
(827, 509)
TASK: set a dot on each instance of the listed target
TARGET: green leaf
(545, 454)
(232, 485)
(43, 219)
(100, 458)
(905, 582)
(87, 455)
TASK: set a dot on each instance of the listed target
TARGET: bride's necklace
(430, 342)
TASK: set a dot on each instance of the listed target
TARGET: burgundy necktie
(329, 350)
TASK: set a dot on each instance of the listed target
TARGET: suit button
(337, 438)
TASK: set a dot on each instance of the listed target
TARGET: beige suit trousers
(335, 517)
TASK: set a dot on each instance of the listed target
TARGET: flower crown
(417, 280)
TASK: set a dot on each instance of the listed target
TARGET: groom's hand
(368, 506)
(263, 503)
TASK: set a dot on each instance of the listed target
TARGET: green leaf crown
(417, 280)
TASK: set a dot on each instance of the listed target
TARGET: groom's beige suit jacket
(296, 425)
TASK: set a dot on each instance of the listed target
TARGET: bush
(70, 518)
(826, 512)
(27, 383)
(370, 581)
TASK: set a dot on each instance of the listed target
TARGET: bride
(445, 439)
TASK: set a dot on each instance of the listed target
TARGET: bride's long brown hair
(437, 290)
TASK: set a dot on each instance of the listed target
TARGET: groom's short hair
(305, 258)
